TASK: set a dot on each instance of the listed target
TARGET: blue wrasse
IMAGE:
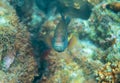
(60, 38)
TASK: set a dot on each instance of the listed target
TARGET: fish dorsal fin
(65, 19)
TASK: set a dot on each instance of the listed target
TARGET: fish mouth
(59, 47)
(59, 44)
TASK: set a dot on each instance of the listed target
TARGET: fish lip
(59, 48)
(58, 44)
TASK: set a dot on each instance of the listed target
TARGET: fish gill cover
(90, 41)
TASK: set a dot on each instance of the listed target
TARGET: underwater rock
(23, 8)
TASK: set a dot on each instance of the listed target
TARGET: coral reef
(91, 43)
(72, 65)
(110, 73)
(16, 53)
(84, 55)
(26, 31)
(104, 34)
(8, 30)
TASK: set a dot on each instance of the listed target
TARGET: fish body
(8, 60)
(60, 38)
(46, 5)
(83, 12)
(57, 6)
(114, 6)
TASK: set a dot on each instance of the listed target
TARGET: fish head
(59, 43)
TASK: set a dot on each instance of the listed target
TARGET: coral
(14, 38)
(21, 6)
(113, 54)
(29, 71)
(110, 73)
(94, 44)
(27, 66)
(79, 27)
(72, 65)
(63, 70)
(103, 35)
(8, 30)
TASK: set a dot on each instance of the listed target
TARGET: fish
(84, 12)
(46, 6)
(8, 60)
(60, 38)
(56, 6)
(114, 6)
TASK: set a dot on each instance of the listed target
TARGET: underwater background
(59, 41)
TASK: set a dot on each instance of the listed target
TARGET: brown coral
(109, 73)
(14, 36)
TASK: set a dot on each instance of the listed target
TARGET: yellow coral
(109, 73)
